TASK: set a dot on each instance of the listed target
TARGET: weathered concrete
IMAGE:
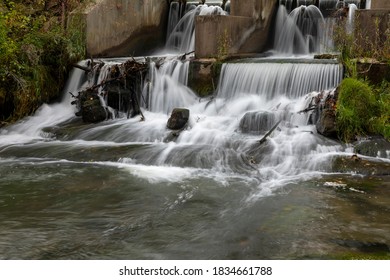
(245, 31)
(373, 71)
(371, 29)
(218, 36)
(125, 27)
(380, 4)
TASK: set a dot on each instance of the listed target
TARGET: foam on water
(30, 128)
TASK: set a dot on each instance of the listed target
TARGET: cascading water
(271, 79)
(168, 87)
(299, 32)
(182, 38)
(131, 189)
(351, 16)
(30, 128)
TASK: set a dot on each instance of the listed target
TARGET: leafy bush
(382, 123)
(36, 52)
(358, 110)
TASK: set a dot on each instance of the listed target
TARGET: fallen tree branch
(262, 140)
(308, 109)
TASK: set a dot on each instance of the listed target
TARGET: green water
(87, 210)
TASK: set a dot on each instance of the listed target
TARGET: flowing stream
(121, 189)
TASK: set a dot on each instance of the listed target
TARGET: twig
(262, 140)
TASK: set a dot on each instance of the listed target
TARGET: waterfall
(337, 4)
(299, 32)
(167, 86)
(182, 37)
(271, 79)
(175, 14)
(30, 128)
(351, 18)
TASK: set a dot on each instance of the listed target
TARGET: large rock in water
(374, 147)
(91, 109)
(257, 122)
(179, 118)
(326, 124)
(93, 112)
(325, 115)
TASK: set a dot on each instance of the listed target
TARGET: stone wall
(125, 27)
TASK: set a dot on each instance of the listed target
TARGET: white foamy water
(31, 127)
(182, 37)
(213, 145)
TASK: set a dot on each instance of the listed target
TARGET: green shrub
(36, 53)
(357, 110)
(382, 123)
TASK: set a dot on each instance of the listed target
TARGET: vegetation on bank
(38, 45)
(362, 110)
(363, 106)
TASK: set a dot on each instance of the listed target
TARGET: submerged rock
(179, 118)
(355, 164)
(257, 122)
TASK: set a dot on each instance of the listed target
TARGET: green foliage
(361, 45)
(362, 110)
(382, 123)
(36, 52)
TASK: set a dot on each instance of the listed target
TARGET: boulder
(179, 118)
(325, 115)
(373, 147)
(326, 123)
(90, 107)
(93, 112)
(257, 122)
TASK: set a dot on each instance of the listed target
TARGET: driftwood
(122, 76)
(308, 109)
(262, 140)
(183, 57)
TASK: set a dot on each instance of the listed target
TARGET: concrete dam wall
(124, 28)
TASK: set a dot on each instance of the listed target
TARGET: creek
(119, 190)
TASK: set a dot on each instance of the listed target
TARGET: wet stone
(179, 118)
(257, 122)
(374, 147)
(326, 124)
